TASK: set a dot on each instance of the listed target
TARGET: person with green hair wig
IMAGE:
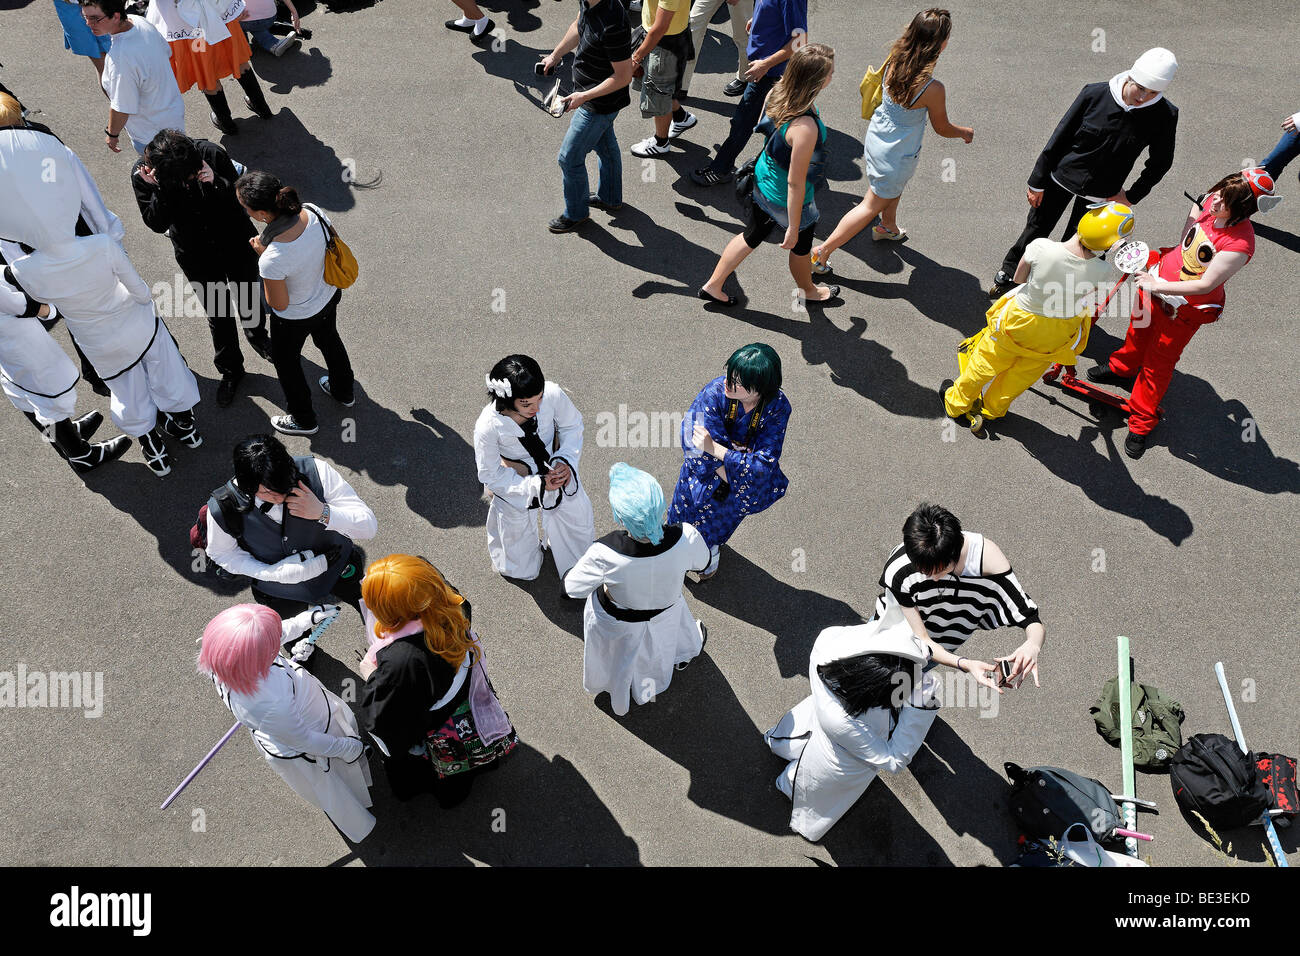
(637, 627)
(733, 436)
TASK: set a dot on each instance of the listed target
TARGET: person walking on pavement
(775, 30)
(1093, 149)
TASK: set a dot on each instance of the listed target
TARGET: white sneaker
(286, 43)
(676, 129)
(650, 147)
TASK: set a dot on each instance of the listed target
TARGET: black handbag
(745, 174)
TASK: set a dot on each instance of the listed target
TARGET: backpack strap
(232, 516)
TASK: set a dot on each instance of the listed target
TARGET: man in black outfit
(1093, 149)
(186, 189)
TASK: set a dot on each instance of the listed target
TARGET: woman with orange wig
(427, 703)
(306, 733)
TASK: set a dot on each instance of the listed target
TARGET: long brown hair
(804, 77)
(913, 55)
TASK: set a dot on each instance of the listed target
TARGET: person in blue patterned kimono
(732, 438)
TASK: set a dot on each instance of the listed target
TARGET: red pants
(1149, 354)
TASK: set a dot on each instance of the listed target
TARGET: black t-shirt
(604, 38)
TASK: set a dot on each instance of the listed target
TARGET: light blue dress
(893, 144)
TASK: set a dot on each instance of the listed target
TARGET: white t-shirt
(301, 264)
(259, 9)
(1059, 282)
(138, 79)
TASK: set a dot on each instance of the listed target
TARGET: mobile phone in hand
(1004, 673)
(540, 69)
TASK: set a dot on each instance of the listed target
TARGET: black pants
(748, 111)
(287, 339)
(1041, 220)
(208, 276)
(760, 225)
(347, 589)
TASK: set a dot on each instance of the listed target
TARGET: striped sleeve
(1018, 609)
(894, 577)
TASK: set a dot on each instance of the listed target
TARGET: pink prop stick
(202, 763)
(1134, 834)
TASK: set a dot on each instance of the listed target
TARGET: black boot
(86, 426)
(182, 425)
(155, 453)
(253, 97)
(82, 455)
(220, 114)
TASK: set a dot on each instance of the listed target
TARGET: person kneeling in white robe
(307, 734)
(527, 443)
(637, 627)
(867, 713)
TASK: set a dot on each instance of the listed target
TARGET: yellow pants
(1017, 348)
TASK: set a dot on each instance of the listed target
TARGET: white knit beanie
(1154, 69)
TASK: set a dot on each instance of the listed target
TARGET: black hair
(932, 538)
(869, 680)
(756, 367)
(262, 192)
(173, 157)
(262, 460)
(525, 378)
(110, 7)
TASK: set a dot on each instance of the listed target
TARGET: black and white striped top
(955, 607)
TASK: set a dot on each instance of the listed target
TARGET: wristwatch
(324, 515)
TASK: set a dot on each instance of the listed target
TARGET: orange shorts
(202, 63)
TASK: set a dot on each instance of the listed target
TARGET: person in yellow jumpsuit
(1044, 320)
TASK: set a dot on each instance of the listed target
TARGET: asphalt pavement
(437, 164)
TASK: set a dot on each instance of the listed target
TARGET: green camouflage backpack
(1157, 723)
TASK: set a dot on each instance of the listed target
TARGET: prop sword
(1274, 844)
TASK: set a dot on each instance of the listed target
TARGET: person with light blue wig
(637, 627)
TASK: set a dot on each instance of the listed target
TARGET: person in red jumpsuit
(1184, 292)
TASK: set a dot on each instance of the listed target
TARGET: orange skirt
(203, 63)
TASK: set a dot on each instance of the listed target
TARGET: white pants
(161, 381)
(635, 660)
(513, 545)
(702, 12)
(47, 410)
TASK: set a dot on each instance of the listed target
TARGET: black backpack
(1047, 800)
(1211, 776)
(233, 520)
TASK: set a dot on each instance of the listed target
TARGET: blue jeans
(748, 112)
(260, 30)
(590, 131)
(1287, 148)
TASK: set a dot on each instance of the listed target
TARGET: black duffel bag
(1211, 776)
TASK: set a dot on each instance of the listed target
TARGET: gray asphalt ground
(1189, 552)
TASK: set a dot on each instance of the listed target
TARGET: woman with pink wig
(306, 733)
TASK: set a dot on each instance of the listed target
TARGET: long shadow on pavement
(856, 362)
(699, 724)
(532, 811)
(792, 615)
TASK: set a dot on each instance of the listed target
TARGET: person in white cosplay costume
(637, 626)
(866, 713)
(306, 733)
(107, 306)
(527, 443)
(41, 381)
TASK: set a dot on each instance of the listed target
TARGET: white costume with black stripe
(110, 314)
(637, 625)
(568, 524)
(833, 756)
(310, 737)
(35, 373)
(955, 607)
